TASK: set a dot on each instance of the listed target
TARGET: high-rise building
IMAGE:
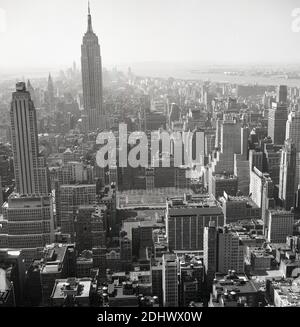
(191, 272)
(241, 163)
(277, 122)
(256, 160)
(31, 172)
(210, 254)
(12, 277)
(239, 207)
(220, 183)
(185, 222)
(90, 227)
(280, 225)
(91, 66)
(156, 280)
(1, 194)
(257, 181)
(50, 94)
(293, 133)
(282, 92)
(271, 162)
(29, 224)
(287, 175)
(70, 198)
(230, 251)
(170, 280)
(293, 128)
(230, 143)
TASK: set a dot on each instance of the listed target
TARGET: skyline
(218, 32)
(172, 181)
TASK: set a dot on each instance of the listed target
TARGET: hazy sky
(44, 33)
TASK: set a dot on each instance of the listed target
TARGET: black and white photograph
(149, 159)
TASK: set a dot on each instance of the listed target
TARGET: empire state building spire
(90, 27)
(91, 69)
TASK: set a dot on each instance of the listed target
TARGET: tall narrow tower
(287, 175)
(277, 122)
(91, 67)
(50, 94)
(31, 173)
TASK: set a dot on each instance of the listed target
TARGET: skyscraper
(230, 252)
(282, 92)
(210, 253)
(29, 224)
(277, 122)
(70, 198)
(170, 280)
(280, 225)
(91, 67)
(287, 175)
(31, 173)
(293, 133)
(50, 94)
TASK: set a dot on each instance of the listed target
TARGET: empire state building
(91, 67)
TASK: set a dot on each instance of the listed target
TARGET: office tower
(89, 227)
(293, 133)
(287, 175)
(230, 143)
(1, 194)
(126, 253)
(241, 163)
(280, 225)
(12, 277)
(220, 183)
(256, 160)
(271, 163)
(239, 207)
(73, 172)
(242, 172)
(191, 272)
(29, 224)
(50, 94)
(277, 122)
(244, 141)
(31, 172)
(70, 198)
(257, 181)
(141, 239)
(268, 200)
(218, 134)
(156, 281)
(293, 128)
(209, 139)
(170, 280)
(91, 67)
(210, 254)
(58, 261)
(230, 251)
(6, 170)
(30, 89)
(282, 92)
(185, 222)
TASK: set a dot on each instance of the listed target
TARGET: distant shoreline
(192, 74)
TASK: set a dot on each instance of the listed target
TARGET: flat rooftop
(289, 292)
(154, 198)
(240, 284)
(80, 287)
